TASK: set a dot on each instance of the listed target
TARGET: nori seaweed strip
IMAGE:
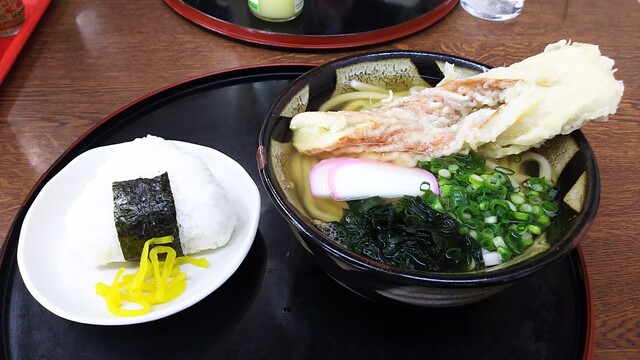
(144, 209)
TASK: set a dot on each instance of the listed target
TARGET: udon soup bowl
(570, 155)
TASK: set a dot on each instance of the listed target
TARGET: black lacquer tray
(279, 304)
(323, 24)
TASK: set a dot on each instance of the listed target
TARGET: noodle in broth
(327, 211)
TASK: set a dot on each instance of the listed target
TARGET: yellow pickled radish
(154, 282)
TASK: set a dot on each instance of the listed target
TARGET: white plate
(66, 285)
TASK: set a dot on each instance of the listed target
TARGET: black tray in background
(322, 24)
(279, 304)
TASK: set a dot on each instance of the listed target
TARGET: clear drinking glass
(276, 10)
(493, 10)
(11, 17)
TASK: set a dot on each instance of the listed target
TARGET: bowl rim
(566, 243)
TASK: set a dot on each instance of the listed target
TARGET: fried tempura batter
(503, 111)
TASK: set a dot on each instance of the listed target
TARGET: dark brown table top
(86, 59)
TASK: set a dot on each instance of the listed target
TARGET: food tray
(279, 304)
(11, 46)
(323, 24)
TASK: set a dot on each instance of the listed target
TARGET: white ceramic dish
(66, 285)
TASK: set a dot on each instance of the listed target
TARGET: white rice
(203, 211)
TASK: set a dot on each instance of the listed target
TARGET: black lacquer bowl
(570, 155)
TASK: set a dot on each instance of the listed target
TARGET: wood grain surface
(86, 59)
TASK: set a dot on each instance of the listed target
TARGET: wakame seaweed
(407, 234)
(144, 209)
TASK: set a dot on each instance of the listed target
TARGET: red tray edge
(34, 9)
(307, 41)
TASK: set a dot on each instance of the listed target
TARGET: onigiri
(204, 212)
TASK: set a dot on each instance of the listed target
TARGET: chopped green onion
(517, 198)
(519, 228)
(423, 164)
(445, 191)
(491, 219)
(526, 208)
(501, 177)
(425, 186)
(535, 200)
(436, 164)
(444, 173)
(433, 201)
(492, 182)
(504, 170)
(519, 215)
(534, 229)
(532, 193)
(464, 213)
(498, 242)
(537, 184)
(544, 220)
(504, 254)
(487, 233)
(537, 210)
(549, 208)
(514, 244)
(489, 206)
(457, 201)
(476, 180)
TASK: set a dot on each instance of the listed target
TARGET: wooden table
(86, 59)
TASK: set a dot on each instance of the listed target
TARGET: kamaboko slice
(353, 179)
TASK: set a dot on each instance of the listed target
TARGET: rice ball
(204, 213)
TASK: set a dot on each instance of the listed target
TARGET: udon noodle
(365, 97)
